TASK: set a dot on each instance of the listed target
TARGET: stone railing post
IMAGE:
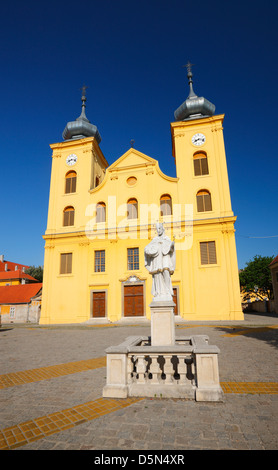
(207, 375)
(116, 381)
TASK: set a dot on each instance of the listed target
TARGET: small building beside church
(20, 303)
(101, 217)
(14, 278)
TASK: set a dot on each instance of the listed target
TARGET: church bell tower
(199, 152)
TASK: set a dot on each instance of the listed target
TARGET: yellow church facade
(102, 216)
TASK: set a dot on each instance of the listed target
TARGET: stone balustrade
(187, 369)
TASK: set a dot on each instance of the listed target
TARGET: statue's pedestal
(162, 323)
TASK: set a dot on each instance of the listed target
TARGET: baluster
(182, 369)
(130, 369)
(141, 369)
(193, 370)
(155, 370)
(135, 363)
(168, 369)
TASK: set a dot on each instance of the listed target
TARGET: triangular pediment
(132, 158)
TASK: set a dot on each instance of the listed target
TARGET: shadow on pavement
(266, 333)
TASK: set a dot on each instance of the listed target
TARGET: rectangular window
(66, 263)
(208, 253)
(132, 258)
(99, 261)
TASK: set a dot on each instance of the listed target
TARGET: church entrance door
(133, 301)
(99, 304)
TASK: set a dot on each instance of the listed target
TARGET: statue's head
(159, 228)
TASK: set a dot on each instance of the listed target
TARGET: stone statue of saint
(160, 261)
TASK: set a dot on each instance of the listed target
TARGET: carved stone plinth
(162, 323)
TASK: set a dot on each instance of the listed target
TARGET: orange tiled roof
(11, 265)
(19, 274)
(20, 294)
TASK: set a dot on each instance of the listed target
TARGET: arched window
(101, 212)
(70, 186)
(165, 205)
(200, 164)
(204, 201)
(68, 216)
(132, 209)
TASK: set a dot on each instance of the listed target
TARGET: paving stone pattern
(52, 379)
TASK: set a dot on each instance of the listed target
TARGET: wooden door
(99, 301)
(133, 301)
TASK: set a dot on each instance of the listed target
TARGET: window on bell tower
(203, 201)
(200, 164)
(68, 216)
(71, 178)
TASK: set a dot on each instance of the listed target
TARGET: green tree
(36, 272)
(256, 277)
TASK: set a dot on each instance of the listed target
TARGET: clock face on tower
(71, 159)
(198, 139)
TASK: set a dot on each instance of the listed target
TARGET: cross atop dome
(194, 107)
(81, 127)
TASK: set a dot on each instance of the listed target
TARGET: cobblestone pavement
(52, 379)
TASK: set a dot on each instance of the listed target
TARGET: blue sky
(130, 54)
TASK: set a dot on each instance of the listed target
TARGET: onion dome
(194, 107)
(81, 127)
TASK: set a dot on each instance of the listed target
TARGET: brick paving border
(30, 431)
(49, 372)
